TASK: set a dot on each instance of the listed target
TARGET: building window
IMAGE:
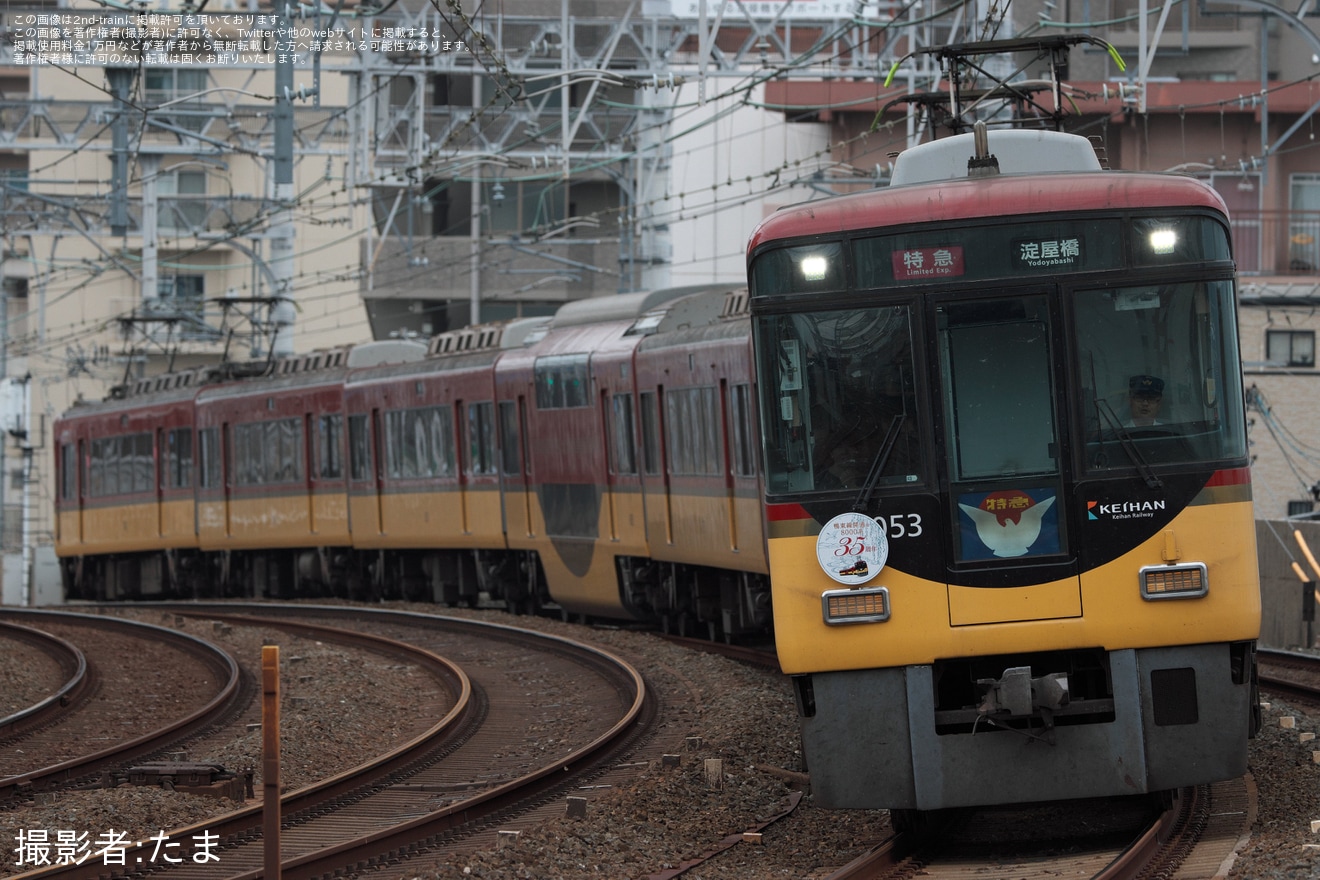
(1304, 223)
(181, 203)
(181, 296)
(180, 87)
(1290, 348)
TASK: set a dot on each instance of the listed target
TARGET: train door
(515, 469)
(1004, 462)
(159, 474)
(465, 463)
(653, 455)
(81, 488)
(364, 495)
(310, 454)
(377, 460)
(727, 463)
(611, 466)
(227, 474)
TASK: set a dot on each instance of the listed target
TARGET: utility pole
(4, 371)
(282, 230)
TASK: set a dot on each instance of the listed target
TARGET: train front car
(1010, 525)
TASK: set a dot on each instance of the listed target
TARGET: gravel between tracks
(668, 816)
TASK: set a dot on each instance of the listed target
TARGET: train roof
(706, 304)
(623, 306)
(941, 200)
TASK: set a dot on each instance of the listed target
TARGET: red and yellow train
(603, 460)
(916, 434)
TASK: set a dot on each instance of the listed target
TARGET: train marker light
(1163, 241)
(1174, 581)
(814, 267)
(866, 605)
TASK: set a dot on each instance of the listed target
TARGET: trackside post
(270, 760)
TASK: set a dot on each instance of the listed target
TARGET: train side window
(481, 438)
(330, 447)
(249, 444)
(290, 436)
(144, 463)
(359, 448)
(740, 415)
(561, 381)
(178, 459)
(622, 434)
(441, 422)
(397, 462)
(510, 439)
(650, 407)
(208, 457)
(693, 422)
(95, 470)
(68, 463)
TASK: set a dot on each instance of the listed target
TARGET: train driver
(1145, 394)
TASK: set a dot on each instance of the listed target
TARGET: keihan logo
(1122, 509)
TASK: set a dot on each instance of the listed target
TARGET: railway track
(1111, 839)
(474, 769)
(1193, 837)
(84, 729)
(1290, 674)
(74, 680)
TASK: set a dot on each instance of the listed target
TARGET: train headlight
(1163, 241)
(865, 605)
(814, 267)
(1174, 581)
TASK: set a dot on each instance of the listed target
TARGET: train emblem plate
(852, 548)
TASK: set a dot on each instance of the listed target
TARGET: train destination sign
(911, 264)
(1045, 253)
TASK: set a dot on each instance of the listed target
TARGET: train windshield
(1159, 376)
(840, 399)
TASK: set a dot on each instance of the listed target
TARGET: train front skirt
(1180, 716)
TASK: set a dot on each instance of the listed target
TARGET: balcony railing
(1276, 242)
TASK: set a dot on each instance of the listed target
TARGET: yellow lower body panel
(1103, 608)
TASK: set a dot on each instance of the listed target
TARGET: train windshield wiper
(878, 465)
(1125, 440)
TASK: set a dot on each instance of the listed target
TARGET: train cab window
(649, 404)
(996, 370)
(1160, 383)
(623, 446)
(359, 448)
(839, 399)
(208, 458)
